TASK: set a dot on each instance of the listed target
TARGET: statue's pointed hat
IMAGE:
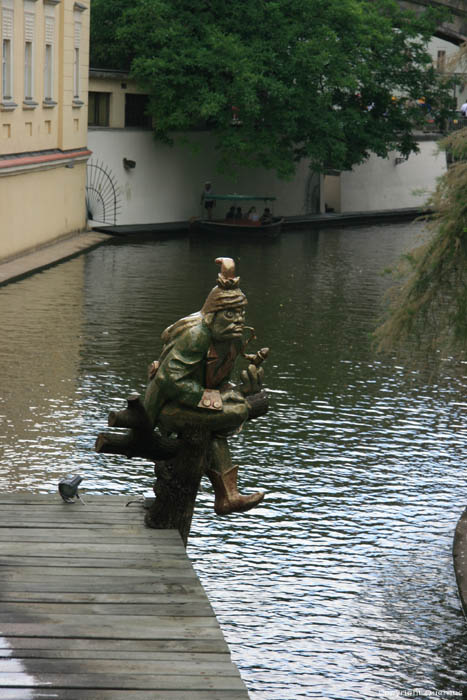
(226, 294)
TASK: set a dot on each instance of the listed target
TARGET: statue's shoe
(228, 499)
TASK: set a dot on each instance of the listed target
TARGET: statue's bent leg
(223, 476)
(176, 418)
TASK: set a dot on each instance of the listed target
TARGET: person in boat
(190, 384)
(206, 202)
(231, 213)
(253, 215)
(238, 214)
(266, 216)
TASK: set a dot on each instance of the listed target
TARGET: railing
(457, 122)
(453, 123)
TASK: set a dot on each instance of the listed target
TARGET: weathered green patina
(191, 407)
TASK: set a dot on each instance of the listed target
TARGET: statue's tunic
(189, 365)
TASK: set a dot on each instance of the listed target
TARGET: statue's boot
(227, 498)
(223, 477)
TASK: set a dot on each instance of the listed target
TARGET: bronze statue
(190, 384)
(190, 395)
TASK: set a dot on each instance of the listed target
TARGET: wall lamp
(129, 164)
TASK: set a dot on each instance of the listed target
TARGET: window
(28, 67)
(135, 111)
(29, 31)
(441, 61)
(76, 75)
(6, 70)
(49, 53)
(48, 73)
(78, 9)
(6, 7)
(99, 109)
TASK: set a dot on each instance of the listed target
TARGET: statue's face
(228, 324)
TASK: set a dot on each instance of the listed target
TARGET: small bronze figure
(190, 385)
(191, 407)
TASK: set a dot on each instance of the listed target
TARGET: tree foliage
(431, 304)
(311, 79)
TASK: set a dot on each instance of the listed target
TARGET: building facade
(152, 183)
(43, 121)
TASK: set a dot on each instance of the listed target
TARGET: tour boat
(236, 225)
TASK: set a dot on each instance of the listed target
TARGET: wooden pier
(95, 606)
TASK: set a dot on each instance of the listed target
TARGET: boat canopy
(238, 197)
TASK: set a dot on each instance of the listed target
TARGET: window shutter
(28, 26)
(7, 23)
(49, 30)
(77, 34)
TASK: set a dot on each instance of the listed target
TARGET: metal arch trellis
(103, 202)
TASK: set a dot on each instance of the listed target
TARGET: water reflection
(340, 585)
(14, 674)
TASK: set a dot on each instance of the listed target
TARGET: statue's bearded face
(228, 324)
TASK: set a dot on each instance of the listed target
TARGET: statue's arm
(180, 375)
(183, 373)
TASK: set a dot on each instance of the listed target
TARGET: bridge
(454, 30)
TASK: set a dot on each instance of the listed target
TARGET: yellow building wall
(73, 132)
(117, 87)
(37, 207)
(42, 201)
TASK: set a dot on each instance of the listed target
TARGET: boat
(243, 226)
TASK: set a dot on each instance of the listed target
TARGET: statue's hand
(152, 369)
(232, 396)
(252, 380)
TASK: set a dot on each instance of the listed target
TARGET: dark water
(340, 585)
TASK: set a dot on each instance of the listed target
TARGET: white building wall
(452, 65)
(166, 183)
(381, 183)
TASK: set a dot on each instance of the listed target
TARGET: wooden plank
(76, 508)
(51, 524)
(127, 529)
(117, 694)
(54, 499)
(127, 655)
(61, 630)
(46, 549)
(93, 605)
(190, 609)
(28, 497)
(191, 594)
(87, 644)
(117, 534)
(122, 681)
(119, 667)
(60, 516)
(72, 512)
(170, 567)
(91, 585)
(50, 521)
(69, 581)
(157, 561)
(144, 624)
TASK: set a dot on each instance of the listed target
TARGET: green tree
(327, 80)
(430, 304)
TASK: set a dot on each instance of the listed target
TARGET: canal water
(340, 585)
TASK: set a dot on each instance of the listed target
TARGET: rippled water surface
(340, 585)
